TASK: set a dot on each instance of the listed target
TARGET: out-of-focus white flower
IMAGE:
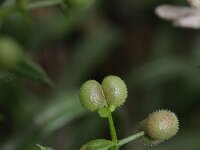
(181, 16)
(194, 3)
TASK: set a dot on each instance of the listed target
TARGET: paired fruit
(112, 92)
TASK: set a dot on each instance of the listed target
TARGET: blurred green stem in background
(21, 6)
(43, 4)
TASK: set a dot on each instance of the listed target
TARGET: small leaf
(103, 112)
(44, 148)
(6, 76)
(30, 69)
(98, 144)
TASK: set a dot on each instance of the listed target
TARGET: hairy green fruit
(159, 126)
(91, 95)
(162, 125)
(146, 140)
(10, 54)
(115, 90)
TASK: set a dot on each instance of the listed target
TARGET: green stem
(112, 128)
(130, 138)
(20, 5)
(112, 131)
(46, 3)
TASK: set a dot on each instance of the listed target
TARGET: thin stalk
(22, 6)
(112, 131)
(130, 138)
(112, 128)
(46, 3)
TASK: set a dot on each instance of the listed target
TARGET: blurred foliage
(159, 63)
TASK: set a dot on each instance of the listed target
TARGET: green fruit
(10, 54)
(146, 140)
(91, 95)
(80, 3)
(115, 90)
(162, 125)
(159, 126)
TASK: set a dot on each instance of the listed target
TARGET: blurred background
(160, 64)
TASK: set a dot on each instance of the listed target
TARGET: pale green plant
(112, 93)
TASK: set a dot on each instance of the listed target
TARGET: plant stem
(112, 131)
(112, 128)
(130, 138)
(46, 3)
(20, 5)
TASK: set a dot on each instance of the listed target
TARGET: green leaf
(63, 108)
(6, 76)
(30, 69)
(98, 144)
(44, 148)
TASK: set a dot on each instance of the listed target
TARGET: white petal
(169, 12)
(192, 21)
(194, 3)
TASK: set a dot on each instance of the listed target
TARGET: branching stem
(130, 138)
